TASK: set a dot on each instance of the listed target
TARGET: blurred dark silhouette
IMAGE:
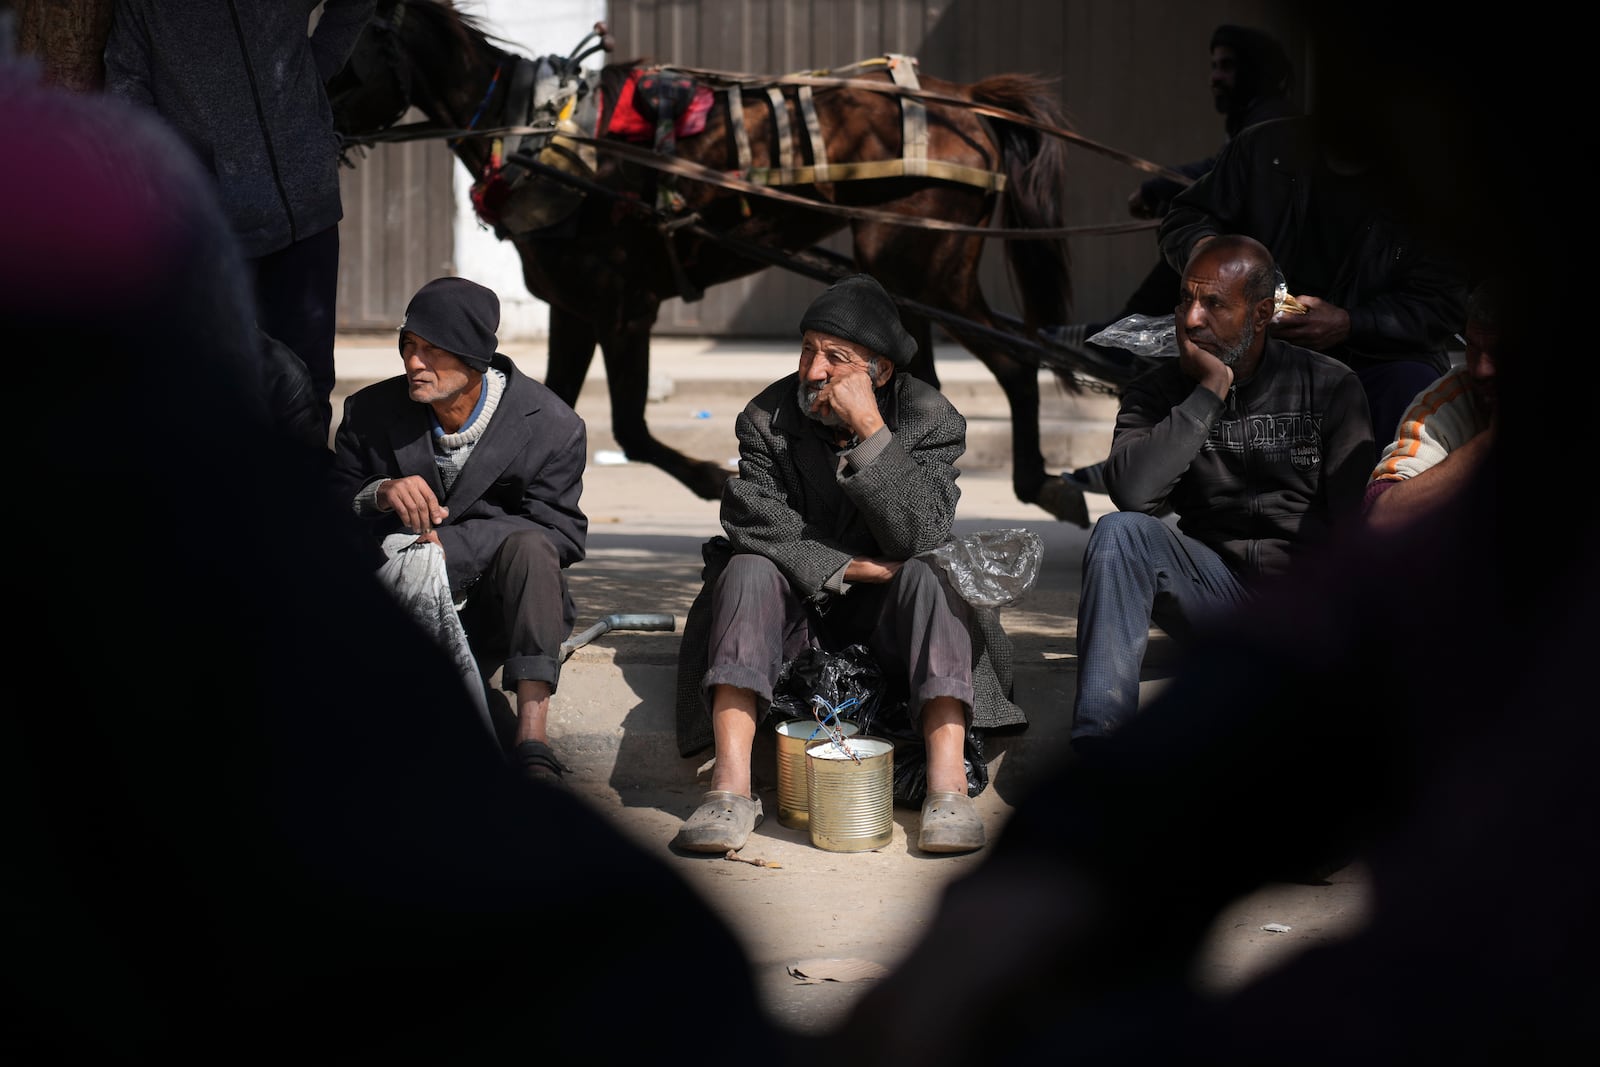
(244, 842)
(250, 837)
(1418, 701)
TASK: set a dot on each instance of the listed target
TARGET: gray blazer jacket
(791, 504)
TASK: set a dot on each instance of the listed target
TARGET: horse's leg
(893, 259)
(570, 351)
(1019, 380)
(627, 361)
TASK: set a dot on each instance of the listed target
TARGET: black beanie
(458, 316)
(858, 309)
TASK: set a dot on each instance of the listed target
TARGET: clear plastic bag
(1151, 336)
(993, 568)
(1283, 303)
(1156, 336)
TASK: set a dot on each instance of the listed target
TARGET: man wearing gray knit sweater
(466, 453)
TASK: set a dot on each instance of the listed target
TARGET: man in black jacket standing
(1258, 446)
(1379, 299)
(1251, 82)
(242, 82)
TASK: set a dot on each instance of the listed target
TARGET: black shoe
(538, 762)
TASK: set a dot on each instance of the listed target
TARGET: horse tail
(1035, 166)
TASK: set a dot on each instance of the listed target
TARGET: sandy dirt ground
(807, 904)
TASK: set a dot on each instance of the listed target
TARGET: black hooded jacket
(1405, 299)
(1263, 84)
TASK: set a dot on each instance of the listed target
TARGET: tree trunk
(68, 38)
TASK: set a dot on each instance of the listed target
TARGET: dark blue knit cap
(458, 316)
(859, 309)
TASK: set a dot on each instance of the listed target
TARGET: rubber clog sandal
(950, 823)
(538, 762)
(723, 821)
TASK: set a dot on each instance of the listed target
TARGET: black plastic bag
(848, 684)
(893, 723)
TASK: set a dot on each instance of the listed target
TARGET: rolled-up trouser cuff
(757, 624)
(933, 688)
(743, 678)
(516, 616)
(545, 669)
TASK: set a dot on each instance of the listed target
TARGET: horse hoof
(706, 480)
(1064, 500)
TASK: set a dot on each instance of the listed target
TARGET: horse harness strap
(913, 161)
(741, 138)
(913, 115)
(545, 103)
(819, 147)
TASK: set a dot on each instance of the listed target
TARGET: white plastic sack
(414, 571)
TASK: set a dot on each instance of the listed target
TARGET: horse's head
(373, 89)
(429, 55)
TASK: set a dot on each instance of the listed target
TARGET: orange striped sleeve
(1410, 435)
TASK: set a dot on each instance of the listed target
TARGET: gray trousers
(517, 616)
(918, 630)
(1137, 570)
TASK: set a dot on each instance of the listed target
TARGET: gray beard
(1231, 355)
(805, 395)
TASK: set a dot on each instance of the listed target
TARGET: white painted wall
(533, 29)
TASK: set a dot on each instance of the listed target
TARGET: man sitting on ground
(466, 452)
(1258, 446)
(1447, 432)
(846, 473)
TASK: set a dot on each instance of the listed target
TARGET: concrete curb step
(613, 717)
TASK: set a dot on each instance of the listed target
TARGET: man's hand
(412, 499)
(1139, 207)
(867, 569)
(849, 395)
(1323, 326)
(1202, 366)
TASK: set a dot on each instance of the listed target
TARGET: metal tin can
(850, 794)
(793, 737)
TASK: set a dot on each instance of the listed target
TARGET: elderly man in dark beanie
(466, 453)
(846, 473)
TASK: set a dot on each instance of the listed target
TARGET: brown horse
(620, 237)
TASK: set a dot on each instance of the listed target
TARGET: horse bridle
(366, 69)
